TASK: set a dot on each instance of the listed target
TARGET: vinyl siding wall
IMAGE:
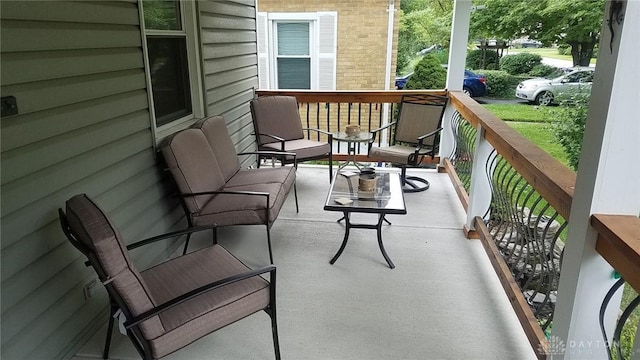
(77, 72)
(230, 70)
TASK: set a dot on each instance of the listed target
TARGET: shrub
(520, 63)
(474, 59)
(428, 74)
(501, 84)
(564, 50)
(570, 130)
(542, 70)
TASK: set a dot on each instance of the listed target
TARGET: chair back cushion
(276, 115)
(194, 166)
(419, 115)
(215, 130)
(89, 225)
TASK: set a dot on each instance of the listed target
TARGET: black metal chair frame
(132, 324)
(421, 150)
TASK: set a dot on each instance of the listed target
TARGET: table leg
(377, 227)
(379, 230)
(344, 241)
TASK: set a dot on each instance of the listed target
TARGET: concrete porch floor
(442, 301)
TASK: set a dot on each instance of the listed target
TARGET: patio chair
(176, 302)
(213, 187)
(414, 136)
(278, 128)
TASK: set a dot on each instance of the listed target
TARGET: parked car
(472, 85)
(557, 88)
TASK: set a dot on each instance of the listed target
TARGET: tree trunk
(581, 52)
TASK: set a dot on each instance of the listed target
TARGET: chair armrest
(422, 137)
(168, 235)
(318, 130)
(382, 128)
(233, 192)
(274, 137)
(197, 292)
(278, 154)
(376, 131)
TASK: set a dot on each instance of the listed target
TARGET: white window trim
(313, 56)
(188, 13)
(267, 58)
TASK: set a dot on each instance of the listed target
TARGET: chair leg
(107, 342)
(269, 243)
(186, 244)
(215, 235)
(271, 311)
(330, 168)
(295, 194)
(408, 182)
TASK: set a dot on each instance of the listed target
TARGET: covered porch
(442, 301)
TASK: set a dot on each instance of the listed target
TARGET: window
(172, 60)
(297, 50)
(293, 55)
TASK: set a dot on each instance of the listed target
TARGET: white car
(568, 87)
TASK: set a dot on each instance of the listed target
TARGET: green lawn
(521, 112)
(534, 123)
(541, 134)
(548, 53)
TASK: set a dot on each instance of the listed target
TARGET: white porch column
(480, 190)
(607, 182)
(455, 72)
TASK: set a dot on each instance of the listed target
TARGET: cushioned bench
(214, 189)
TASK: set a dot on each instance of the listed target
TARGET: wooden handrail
(348, 96)
(551, 179)
(619, 243)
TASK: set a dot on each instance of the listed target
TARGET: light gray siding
(76, 70)
(228, 36)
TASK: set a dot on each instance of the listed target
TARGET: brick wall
(362, 38)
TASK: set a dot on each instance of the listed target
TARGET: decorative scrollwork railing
(463, 149)
(526, 230)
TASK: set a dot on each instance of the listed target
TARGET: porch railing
(522, 223)
(333, 110)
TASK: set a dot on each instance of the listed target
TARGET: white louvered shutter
(263, 50)
(327, 47)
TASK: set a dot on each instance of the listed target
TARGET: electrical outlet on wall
(89, 288)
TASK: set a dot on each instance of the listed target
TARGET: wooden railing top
(552, 180)
(348, 96)
(619, 244)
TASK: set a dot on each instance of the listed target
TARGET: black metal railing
(527, 231)
(463, 148)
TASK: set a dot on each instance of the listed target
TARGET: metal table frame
(352, 140)
(388, 199)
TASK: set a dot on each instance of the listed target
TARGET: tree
(576, 23)
(422, 23)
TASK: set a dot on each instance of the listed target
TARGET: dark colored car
(473, 84)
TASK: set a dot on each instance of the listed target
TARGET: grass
(541, 134)
(521, 112)
(534, 123)
(548, 53)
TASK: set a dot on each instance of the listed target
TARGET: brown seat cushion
(231, 209)
(303, 148)
(200, 316)
(194, 166)
(215, 130)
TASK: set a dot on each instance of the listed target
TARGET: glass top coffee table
(387, 198)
